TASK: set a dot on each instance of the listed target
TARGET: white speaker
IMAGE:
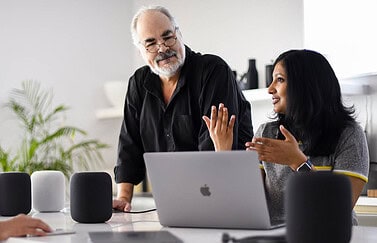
(48, 190)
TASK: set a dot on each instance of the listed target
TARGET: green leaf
(56, 111)
(7, 164)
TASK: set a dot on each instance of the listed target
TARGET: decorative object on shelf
(252, 75)
(269, 70)
(48, 190)
(372, 192)
(15, 193)
(91, 197)
(235, 74)
(242, 82)
(46, 143)
(366, 205)
(249, 80)
(115, 92)
(370, 189)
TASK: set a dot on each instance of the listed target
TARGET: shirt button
(168, 135)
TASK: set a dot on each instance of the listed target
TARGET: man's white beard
(168, 71)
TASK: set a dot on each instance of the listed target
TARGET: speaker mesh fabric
(48, 190)
(15, 193)
(318, 208)
(91, 197)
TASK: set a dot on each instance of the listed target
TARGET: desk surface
(121, 222)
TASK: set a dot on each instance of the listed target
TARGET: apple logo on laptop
(205, 190)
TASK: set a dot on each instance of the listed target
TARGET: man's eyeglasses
(169, 41)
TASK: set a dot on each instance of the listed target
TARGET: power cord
(142, 211)
(255, 239)
(135, 212)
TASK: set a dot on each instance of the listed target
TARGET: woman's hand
(220, 130)
(23, 225)
(286, 152)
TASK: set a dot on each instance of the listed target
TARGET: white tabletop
(121, 222)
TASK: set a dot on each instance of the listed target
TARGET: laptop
(209, 189)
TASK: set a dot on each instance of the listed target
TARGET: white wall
(71, 46)
(74, 46)
(344, 32)
(238, 30)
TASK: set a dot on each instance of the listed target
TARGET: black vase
(252, 75)
(269, 70)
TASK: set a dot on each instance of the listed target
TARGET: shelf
(350, 89)
(253, 95)
(109, 113)
(347, 89)
(357, 85)
(116, 112)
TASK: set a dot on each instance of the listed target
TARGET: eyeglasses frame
(174, 36)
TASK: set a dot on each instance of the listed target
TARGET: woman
(312, 128)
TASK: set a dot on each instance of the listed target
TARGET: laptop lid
(208, 189)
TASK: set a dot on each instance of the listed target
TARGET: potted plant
(46, 144)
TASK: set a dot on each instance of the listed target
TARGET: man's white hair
(143, 10)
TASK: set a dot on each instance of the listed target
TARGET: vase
(252, 75)
(269, 69)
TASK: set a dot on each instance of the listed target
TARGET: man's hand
(121, 205)
(123, 200)
(220, 130)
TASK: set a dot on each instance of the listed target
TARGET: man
(167, 98)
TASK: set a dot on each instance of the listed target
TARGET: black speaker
(318, 208)
(15, 193)
(91, 197)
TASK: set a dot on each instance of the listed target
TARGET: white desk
(121, 222)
